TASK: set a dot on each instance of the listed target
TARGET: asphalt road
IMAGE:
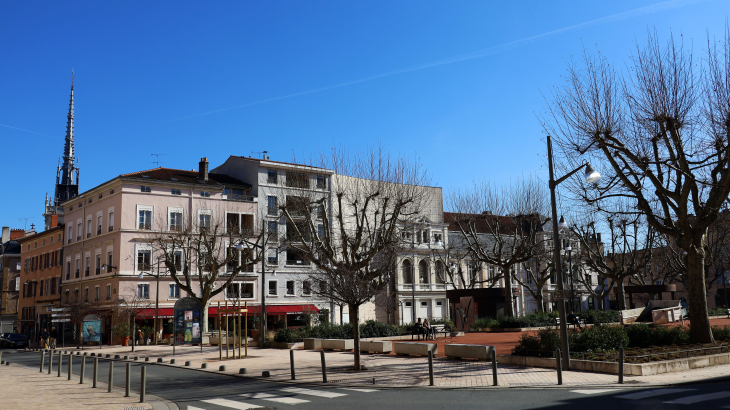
(195, 390)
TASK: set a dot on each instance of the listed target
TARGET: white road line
(595, 391)
(271, 397)
(231, 404)
(194, 408)
(310, 392)
(700, 397)
(360, 390)
(651, 393)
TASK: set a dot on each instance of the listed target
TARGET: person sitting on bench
(572, 318)
(427, 329)
(419, 328)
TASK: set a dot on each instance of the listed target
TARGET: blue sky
(458, 84)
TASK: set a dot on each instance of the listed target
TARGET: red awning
(167, 313)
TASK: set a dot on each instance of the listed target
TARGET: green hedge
(610, 338)
(598, 317)
(370, 328)
(717, 312)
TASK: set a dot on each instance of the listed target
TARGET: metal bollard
(324, 367)
(50, 361)
(129, 380)
(559, 367)
(83, 366)
(111, 376)
(60, 363)
(96, 371)
(494, 367)
(70, 363)
(43, 358)
(291, 361)
(143, 379)
(430, 368)
(621, 365)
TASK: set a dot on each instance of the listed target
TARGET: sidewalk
(24, 388)
(390, 369)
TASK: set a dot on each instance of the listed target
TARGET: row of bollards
(128, 379)
(558, 366)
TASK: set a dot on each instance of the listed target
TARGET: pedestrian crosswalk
(680, 396)
(288, 395)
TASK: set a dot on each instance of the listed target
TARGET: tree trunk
(700, 330)
(620, 295)
(204, 325)
(509, 299)
(539, 299)
(355, 320)
(342, 314)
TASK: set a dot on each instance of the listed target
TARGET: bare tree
(78, 308)
(387, 300)
(353, 241)
(210, 253)
(501, 226)
(539, 271)
(659, 132)
(455, 269)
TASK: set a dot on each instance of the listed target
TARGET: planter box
(312, 343)
(419, 349)
(215, 341)
(338, 344)
(277, 345)
(456, 350)
(377, 346)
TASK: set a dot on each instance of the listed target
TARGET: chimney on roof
(203, 169)
(54, 220)
(6, 234)
(16, 234)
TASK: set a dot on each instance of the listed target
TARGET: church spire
(68, 186)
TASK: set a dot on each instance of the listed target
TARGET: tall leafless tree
(501, 226)
(659, 132)
(354, 241)
(207, 254)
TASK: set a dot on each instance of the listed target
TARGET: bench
(338, 344)
(376, 346)
(479, 352)
(582, 322)
(419, 349)
(436, 329)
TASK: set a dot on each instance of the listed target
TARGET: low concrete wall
(457, 350)
(230, 340)
(312, 343)
(420, 349)
(630, 369)
(339, 344)
(382, 346)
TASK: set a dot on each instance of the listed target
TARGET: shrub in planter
(484, 323)
(598, 338)
(448, 324)
(286, 335)
(642, 335)
(721, 333)
(598, 317)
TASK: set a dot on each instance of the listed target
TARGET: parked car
(15, 341)
(3, 336)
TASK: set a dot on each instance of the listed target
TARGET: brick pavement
(25, 388)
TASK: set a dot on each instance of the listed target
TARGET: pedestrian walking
(53, 336)
(44, 339)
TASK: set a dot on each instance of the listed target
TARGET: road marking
(700, 397)
(360, 390)
(271, 397)
(310, 392)
(651, 393)
(595, 391)
(194, 408)
(231, 404)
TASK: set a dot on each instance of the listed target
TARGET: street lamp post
(591, 176)
(569, 249)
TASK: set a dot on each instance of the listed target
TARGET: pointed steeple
(67, 186)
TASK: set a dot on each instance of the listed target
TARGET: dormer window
(145, 189)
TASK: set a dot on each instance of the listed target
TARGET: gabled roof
(480, 221)
(282, 163)
(184, 176)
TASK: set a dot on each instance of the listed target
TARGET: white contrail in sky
(20, 129)
(470, 56)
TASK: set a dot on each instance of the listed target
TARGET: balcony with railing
(422, 287)
(98, 230)
(86, 272)
(111, 228)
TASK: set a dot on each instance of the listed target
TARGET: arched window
(423, 272)
(407, 271)
(440, 272)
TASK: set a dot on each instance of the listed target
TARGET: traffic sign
(58, 309)
(60, 320)
(60, 314)
(559, 294)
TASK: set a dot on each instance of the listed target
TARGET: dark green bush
(287, 335)
(531, 320)
(448, 324)
(641, 335)
(484, 323)
(721, 333)
(599, 317)
(717, 312)
(598, 338)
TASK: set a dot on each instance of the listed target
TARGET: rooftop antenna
(26, 222)
(261, 154)
(157, 161)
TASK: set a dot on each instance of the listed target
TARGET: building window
(70, 235)
(87, 266)
(111, 221)
(175, 191)
(88, 228)
(108, 292)
(174, 291)
(273, 228)
(176, 221)
(589, 280)
(145, 219)
(143, 291)
(111, 191)
(271, 206)
(437, 237)
(98, 264)
(68, 270)
(144, 260)
(204, 222)
(297, 179)
(78, 231)
(321, 182)
(271, 176)
(86, 294)
(205, 194)
(320, 231)
(98, 225)
(290, 288)
(306, 288)
(239, 291)
(97, 291)
(145, 189)
(273, 288)
(177, 260)
(109, 258)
